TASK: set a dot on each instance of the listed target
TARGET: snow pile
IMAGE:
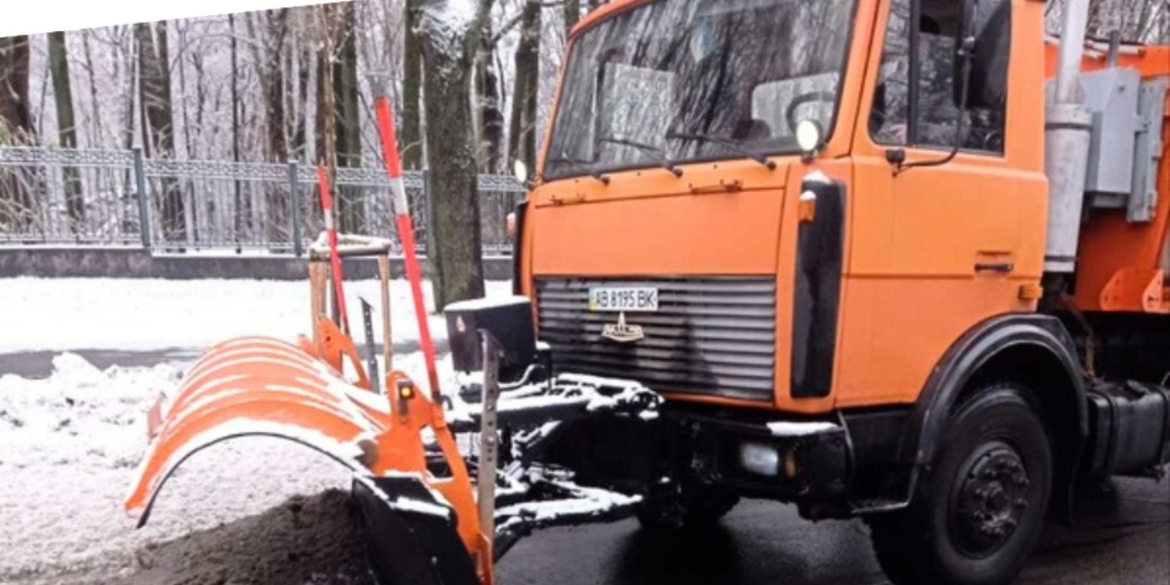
(69, 447)
(80, 415)
(149, 314)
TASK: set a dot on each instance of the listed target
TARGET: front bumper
(812, 457)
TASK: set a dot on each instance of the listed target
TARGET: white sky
(44, 16)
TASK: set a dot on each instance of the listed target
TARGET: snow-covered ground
(69, 443)
(130, 314)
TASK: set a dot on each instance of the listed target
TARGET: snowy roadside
(70, 443)
(69, 446)
(130, 314)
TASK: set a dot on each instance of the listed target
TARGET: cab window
(915, 102)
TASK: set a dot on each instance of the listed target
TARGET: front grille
(713, 336)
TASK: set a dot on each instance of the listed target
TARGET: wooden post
(318, 279)
(387, 339)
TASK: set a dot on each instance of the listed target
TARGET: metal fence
(92, 197)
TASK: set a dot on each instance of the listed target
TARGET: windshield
(685, 80)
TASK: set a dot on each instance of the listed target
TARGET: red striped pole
(406, 235)
(334, 257)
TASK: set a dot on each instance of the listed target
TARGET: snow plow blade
(411, 538)
(252, 387)
(264, 387)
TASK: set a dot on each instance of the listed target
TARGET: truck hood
(717, 218)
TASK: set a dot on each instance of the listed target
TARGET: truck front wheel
(979, 509)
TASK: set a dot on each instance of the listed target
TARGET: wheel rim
(990, 499)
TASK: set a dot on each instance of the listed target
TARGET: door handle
(994, 261)
(997, 267)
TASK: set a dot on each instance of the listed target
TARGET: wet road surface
(1124, 539)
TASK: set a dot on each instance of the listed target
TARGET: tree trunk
(155, 90)
(572, 15)
(448, 55)
(96, 140)
(15, 107)
(304, 72)
(66, 127)
(522, 135)
(411, 139)
(270, 71)
(491, 117)
(242, 208)
(350, 206)
(327, 102)
(15, 128)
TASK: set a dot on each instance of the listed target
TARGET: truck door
(935, 249)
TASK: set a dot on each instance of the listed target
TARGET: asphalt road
(1123, 538)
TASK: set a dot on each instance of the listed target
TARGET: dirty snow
(69, 448)
(131, 314)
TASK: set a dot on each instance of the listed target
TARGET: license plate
(618, 298)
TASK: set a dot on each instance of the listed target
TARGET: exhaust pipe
(1068, 130)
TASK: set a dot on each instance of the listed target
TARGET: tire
(684, 509)
(978, 511)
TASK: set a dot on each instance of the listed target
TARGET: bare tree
(351, 209)
(15, 110)
(490, 115)
(15, 126)
(95, 126)
(572, 14)
(522, 133)
(158, 136)
(449, 41)
(267, 52)
(66, 126)
(327, 98)
(412, 150)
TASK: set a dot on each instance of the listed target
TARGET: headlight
(759, 459)
(808, 136)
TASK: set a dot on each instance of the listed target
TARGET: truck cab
(824, 232)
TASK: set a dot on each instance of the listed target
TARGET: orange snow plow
(427, 519)
(417, 499)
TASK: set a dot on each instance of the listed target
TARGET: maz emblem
(622, 332)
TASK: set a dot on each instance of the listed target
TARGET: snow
(486, 303)
(586, 503)
(799, 429)
(69, 448)
(131, 314)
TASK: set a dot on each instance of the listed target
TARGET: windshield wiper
(730, 144)
(580, 165)
(642, 146)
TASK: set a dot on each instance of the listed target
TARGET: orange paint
(914, 240)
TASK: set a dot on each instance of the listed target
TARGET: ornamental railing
(54, 196)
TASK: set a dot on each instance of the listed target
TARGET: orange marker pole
(406, 235)
(334, 257)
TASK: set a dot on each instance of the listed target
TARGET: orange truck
(902, 260)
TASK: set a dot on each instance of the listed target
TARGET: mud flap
(411, 536)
